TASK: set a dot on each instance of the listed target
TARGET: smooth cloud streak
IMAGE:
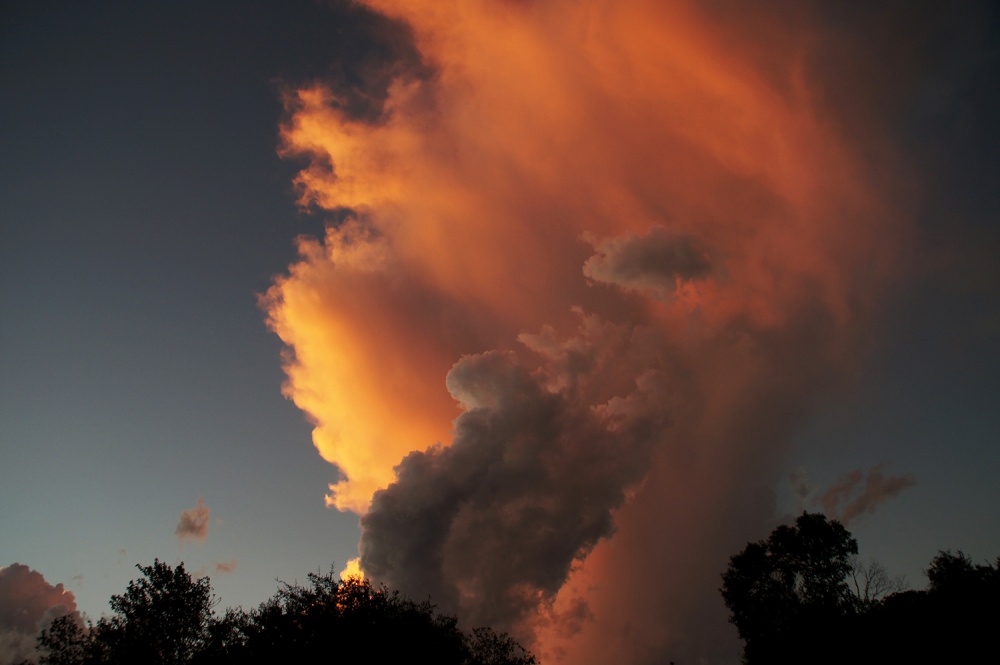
(637, 255)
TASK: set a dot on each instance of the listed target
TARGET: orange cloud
(619, 210)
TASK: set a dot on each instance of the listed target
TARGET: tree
(777, 589)
(64, 642)
(359, 621)
(800, 596)
(871, 584)
(166, 617)
(957, 574)
(163, 618)
(490, 648)
(953, 620)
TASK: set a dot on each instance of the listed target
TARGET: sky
(541, 309)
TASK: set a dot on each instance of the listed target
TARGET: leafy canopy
(797, 576)
(166, 617)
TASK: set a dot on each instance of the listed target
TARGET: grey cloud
(654, 262)
(491, 526)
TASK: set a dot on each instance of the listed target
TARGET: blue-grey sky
(144, 208)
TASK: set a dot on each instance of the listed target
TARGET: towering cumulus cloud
(590, 268)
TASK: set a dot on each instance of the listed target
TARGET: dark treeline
(166, 617)
(801, 596)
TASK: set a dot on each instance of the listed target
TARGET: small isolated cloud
(193, 523)
(854, 494)
(225, 566)
(28, 604)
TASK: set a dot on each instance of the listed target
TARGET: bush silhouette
(166, 617)
(791, 601)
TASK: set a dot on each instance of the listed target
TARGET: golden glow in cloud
(352, 569)
(667, 227)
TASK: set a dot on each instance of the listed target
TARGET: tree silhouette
(800, 596)
(356, 620)
(871, 584)
(166, 617)
(64, 642)
(778, 589)
(163, 618)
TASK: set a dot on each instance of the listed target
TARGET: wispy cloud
(852, 495)
(225, 566)
(857, 494)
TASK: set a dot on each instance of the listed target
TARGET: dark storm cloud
(492, 524)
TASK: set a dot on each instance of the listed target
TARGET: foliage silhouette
(778, 589)
(164, 617)
(167, 617)
(871, 584)
(65, 642)
(954, 619)
(799, 597)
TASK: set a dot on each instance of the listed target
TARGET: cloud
(225, 566)
(352, 569)
(852, 495)
(848, 499)
(193, 523)
(657, 261)
(493, 524)
(28, 604)
(523, 442)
